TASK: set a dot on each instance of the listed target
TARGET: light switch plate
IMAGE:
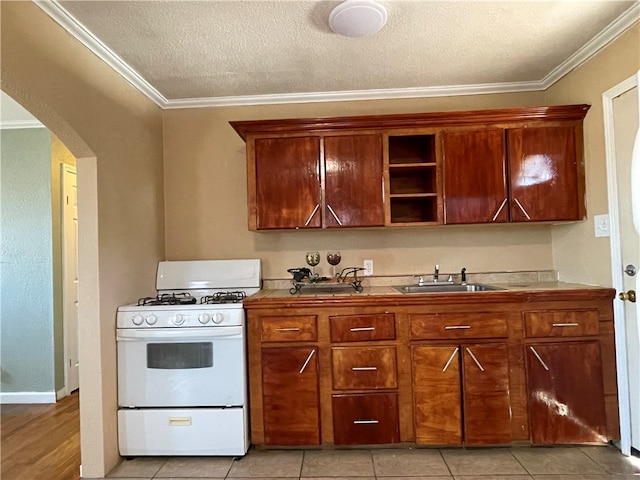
(601, 225)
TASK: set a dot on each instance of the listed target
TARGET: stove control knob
(217, 318)
(151, 319)
(177, 319)
(204, 318)
(137, 320)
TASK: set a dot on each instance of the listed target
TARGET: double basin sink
(445, 288)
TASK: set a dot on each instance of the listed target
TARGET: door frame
(65, 323)
(616, 259)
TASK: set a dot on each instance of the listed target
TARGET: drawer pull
(450, 359)
(288, 329)
(365, 422)
(362, 329)
(457, 327)
(572, 324)
(306, 362)
(364, 369)
(475, 359)
(539, 359)
(179, 421)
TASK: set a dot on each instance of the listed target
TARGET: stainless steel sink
(445, 288)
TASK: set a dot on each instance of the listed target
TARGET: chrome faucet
(436, 273)
(463, 276)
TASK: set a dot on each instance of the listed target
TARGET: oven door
(181, 367)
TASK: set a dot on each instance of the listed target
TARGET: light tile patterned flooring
(518, 463)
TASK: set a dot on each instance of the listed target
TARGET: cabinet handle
(475, 359)
(362, 329)
(522, 208)
(571, 324)
(539, 359)
(364, 369)
(457, 327)
(504, 202)
(334, 214)
(307, 360)
(312, 214)
(288, 329)
(450, 359)
(365, 422)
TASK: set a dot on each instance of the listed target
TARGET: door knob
(630, 295)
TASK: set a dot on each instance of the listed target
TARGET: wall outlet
(601, 225)
(368, 268)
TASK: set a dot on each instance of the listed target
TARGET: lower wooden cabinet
(533, 367)
(365, 419)
(565, 390)
(291, 406)
(461, 394)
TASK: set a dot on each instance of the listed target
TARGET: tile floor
(556, 463)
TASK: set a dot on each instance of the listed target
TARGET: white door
(622, 110)
(70, 276)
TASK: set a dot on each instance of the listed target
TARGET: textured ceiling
(220, 49)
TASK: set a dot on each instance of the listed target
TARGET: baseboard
(61, 393)
(27, 397)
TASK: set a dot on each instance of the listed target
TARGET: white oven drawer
(199, 367)
(205, 431)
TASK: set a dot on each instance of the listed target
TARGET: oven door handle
(135, 334)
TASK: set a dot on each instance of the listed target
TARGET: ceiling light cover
(357, 18)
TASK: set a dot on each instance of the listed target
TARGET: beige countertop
(348, 292)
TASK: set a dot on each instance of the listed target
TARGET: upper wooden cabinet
(316, 181)
(525, 174)
(287, 183)
(482, 166)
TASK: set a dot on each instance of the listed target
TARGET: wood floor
(41, 442)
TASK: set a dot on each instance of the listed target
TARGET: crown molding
(17, 124)
(93, 43)
(351, 95)
(597, 43)
(84, 36)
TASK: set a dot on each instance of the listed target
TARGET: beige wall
(206, 206)
(115, 132)
(577, 254)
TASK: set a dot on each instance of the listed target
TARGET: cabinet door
(543, 167)
(288, 182)
(475, 177)
(436, 395)
(487, 408)
(290, 396)
(353, 181)
(566, 397)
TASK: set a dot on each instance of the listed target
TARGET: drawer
(561, 323)
(357, 368)
(294, 328)
(458, 325)
(365, 419)
(360, 328)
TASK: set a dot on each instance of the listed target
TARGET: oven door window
(180, 356)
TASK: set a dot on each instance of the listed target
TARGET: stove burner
(224, 297)
(168, 299)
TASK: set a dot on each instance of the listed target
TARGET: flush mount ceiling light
(357, 18)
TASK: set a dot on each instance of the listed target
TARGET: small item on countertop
(299, 274)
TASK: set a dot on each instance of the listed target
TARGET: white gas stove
(182, 387)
